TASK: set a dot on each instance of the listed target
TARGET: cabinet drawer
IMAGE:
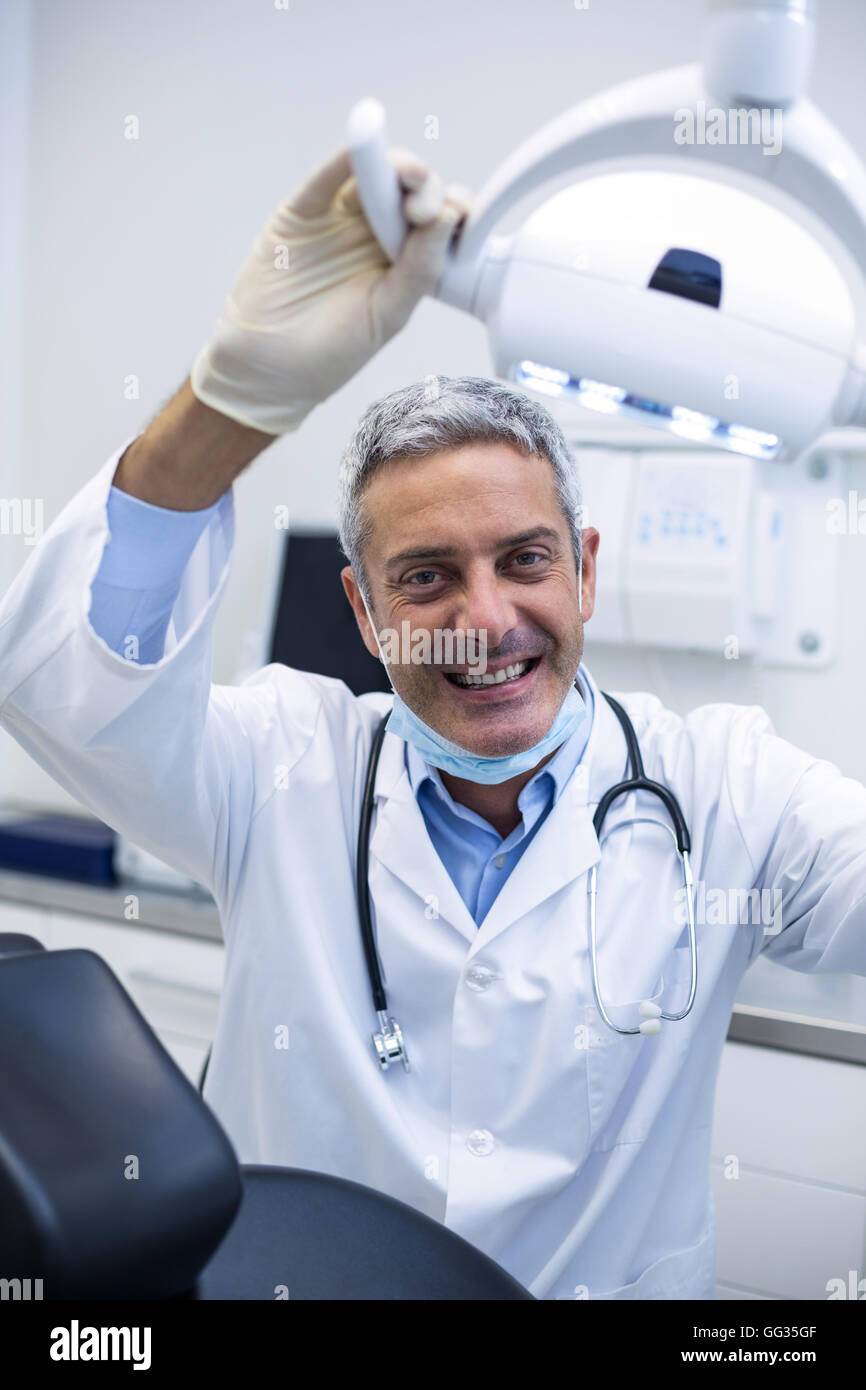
(31, 921)
(801, 1117)
(785, 1239)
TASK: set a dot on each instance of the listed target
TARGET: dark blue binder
(61, 846)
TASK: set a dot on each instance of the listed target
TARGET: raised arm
(314, 301)
(149, 745)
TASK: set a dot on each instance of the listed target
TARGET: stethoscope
(388, 1040)
(651, 1014)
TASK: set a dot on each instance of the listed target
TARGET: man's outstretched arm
(188, 456)
(149, 744)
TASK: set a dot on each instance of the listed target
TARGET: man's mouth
(503, 676)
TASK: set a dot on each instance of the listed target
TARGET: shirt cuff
(149, 547)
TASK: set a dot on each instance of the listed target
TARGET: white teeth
(506, 673)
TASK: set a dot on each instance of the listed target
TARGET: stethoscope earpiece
(652, 1016)
(650, 1026)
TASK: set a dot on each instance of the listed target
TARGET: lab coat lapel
(400, 841)
(563, 849)
(566, 845)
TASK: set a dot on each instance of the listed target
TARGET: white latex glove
(317, 296)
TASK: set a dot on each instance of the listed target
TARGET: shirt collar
(558, 770)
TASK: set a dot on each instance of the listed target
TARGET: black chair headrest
(116, 1180)
(15, 943)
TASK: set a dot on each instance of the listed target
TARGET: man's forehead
(479, 461)
(411, 500)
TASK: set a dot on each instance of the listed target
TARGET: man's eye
(528, 555)
(425, 576)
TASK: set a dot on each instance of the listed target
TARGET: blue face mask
(450, 757)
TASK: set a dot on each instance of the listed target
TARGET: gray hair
(444, 412)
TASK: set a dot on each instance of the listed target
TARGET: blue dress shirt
(132, 596)
(476, 856)
(138, 580)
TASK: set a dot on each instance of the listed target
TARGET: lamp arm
(645, 122)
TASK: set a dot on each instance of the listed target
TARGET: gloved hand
(317, 296)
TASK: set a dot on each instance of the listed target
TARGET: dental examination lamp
(701, 263)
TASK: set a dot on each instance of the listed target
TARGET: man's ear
(353, 594)
(588, 554)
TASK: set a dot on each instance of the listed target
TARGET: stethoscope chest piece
(389, 1043)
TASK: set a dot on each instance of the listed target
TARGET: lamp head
(679, 302)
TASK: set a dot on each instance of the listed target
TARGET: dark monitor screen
(314, 628)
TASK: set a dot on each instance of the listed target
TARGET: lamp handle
(378, 183)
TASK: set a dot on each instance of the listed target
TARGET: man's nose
(485, 606)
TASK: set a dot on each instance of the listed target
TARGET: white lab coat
(575, 1157)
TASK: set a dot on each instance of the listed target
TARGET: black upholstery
(88, 1097)
(117, 1181)
(14, 943)
(321, 1237)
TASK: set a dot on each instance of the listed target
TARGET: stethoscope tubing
(388, 1041)
(639, 782)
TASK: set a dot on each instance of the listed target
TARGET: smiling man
(465, 565)
(570, 1144)
(432, 539)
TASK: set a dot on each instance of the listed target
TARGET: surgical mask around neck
(460, 762)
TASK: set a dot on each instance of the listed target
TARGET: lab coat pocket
(685, 1274)
(628, 1076)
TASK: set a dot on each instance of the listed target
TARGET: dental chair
(118, 1182)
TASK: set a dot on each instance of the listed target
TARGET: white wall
(15, 71)
(130, 246)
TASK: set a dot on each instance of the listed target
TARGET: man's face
(473, 538)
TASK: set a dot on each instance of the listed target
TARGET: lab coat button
(480, 1142)
(499, 861)
(479, 977)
